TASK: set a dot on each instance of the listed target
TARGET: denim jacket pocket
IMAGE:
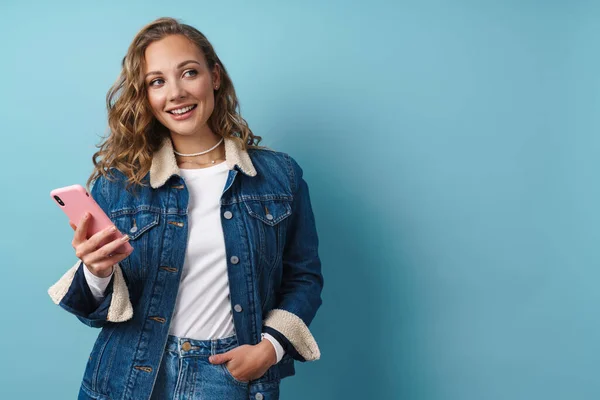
(138, 225)
(271, 233)
(269, 219)
(271, 212)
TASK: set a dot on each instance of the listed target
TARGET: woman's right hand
(98, 260)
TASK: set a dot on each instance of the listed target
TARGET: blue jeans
(186, 374)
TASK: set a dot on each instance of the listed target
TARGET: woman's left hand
(248, 362)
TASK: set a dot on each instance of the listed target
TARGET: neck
(196, 144)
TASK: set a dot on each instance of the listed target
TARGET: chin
(182, 133)
(187, 131)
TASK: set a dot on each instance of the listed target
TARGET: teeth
(182, 110)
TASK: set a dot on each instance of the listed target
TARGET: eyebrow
(181, 64)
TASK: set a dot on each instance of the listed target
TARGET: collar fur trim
(164, 164)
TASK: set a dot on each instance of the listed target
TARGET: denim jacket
(273, 268)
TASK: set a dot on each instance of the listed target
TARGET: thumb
(220, 358)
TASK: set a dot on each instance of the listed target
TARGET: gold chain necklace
(197, 163)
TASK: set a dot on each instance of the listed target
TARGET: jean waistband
(186, 347)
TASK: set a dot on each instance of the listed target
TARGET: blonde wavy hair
(134, 133)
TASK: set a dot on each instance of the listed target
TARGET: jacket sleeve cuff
(293, 334)
(279, 351)
(72, 293)
(97, 284)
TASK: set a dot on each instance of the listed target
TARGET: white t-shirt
(203, 307)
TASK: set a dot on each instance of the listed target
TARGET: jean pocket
(231, 377)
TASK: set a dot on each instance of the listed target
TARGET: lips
(185, 116)
(192, 105)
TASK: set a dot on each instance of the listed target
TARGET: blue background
(450, 148)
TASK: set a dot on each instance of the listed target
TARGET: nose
(176, 91)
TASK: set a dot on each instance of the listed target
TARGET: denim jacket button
(259, 396)
(237, 308)
(133, 230)
(228, 215)
(270, 218)
(234, 260)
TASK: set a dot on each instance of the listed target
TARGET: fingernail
(211, 359)
(125, 238)
(113, 228)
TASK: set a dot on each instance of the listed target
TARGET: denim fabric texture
(274, 273)
(186, 374)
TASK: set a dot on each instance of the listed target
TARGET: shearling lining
(296, 331)
(120, 308)
(164, 164)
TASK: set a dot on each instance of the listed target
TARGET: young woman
(216, 298)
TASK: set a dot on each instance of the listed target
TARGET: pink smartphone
(74, 200)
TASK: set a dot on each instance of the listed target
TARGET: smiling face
(180, 85)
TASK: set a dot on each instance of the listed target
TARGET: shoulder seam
(291, 172)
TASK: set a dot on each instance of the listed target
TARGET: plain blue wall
(451, 150)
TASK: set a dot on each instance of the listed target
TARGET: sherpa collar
(164, 164)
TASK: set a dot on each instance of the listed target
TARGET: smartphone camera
(59, 201)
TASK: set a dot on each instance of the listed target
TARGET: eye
(154, 81)
(193, 71)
